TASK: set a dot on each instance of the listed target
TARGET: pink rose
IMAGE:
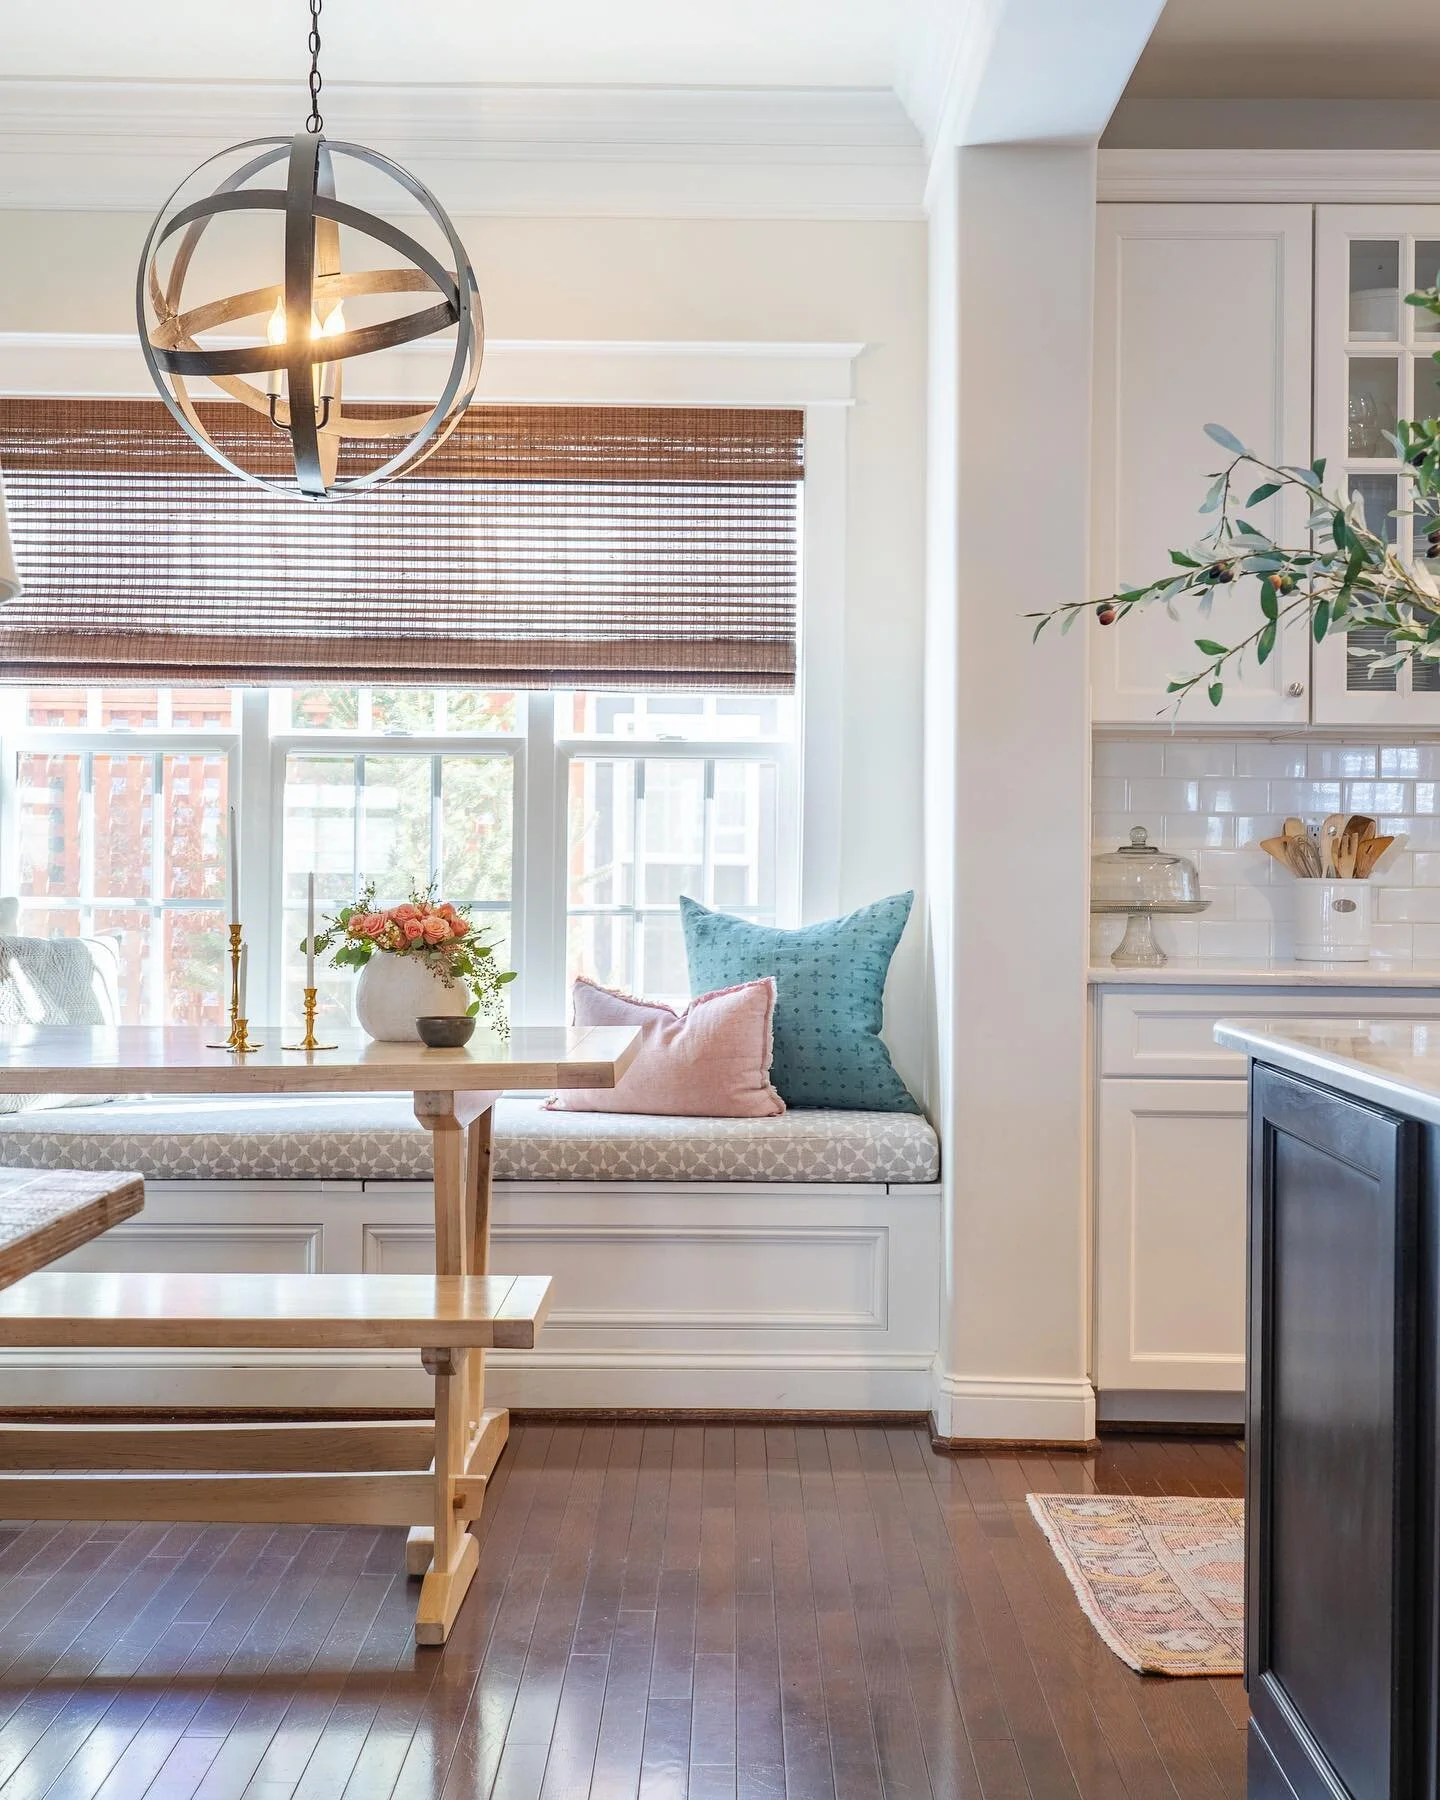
(436, 929)
(361, 925)
(403, 914)
(413, 929)
(458, 927)
(446, 910)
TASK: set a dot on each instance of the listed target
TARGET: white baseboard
(999, 1408)
(663, 1380)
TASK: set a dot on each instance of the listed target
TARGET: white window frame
(816, 377)
(263, 739)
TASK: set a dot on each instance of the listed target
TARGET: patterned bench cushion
(364, 1137)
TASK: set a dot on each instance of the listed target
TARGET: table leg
(446, 1554)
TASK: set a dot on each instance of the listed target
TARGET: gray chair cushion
(356, 1137)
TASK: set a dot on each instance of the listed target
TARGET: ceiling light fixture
(293, 368)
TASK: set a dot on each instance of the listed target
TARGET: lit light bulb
(275, 332)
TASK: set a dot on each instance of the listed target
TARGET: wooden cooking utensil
(1360, 825)
(1294, 828)
(1278, 848)
(1346, 848)
(1371, 850)
(1330, 836)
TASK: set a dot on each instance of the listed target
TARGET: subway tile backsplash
(1213, 801)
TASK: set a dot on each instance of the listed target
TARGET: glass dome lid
(1140, 877)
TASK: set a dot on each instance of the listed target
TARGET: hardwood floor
(659, 1612)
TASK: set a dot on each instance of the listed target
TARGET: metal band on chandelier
(305, 341)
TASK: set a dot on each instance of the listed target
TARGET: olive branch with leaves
(1346, 576)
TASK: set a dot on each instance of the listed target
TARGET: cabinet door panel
(1331, 1626)
(1170, 1236)
(1373, 360)
(1202, 314)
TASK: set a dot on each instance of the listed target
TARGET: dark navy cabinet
(1340, 1447)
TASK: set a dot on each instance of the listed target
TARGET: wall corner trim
(994, 1409)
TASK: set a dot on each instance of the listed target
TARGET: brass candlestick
(309, 1042)
(242, 1045)
(237, 944)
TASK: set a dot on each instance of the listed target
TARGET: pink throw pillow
(711, 1061)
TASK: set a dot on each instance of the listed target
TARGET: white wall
(691, 280)
(1008, 745)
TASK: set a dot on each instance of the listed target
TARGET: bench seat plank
(249, 1311)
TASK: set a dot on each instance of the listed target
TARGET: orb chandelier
(289, 358)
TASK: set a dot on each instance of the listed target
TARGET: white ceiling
(1293, 49)
(742, 43)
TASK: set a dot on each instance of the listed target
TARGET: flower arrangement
(436, 933)
(1346, 574)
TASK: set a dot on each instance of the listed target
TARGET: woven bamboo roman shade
(539, 547)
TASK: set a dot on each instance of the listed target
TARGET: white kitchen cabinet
(1373, 364)
(1168, 1186)
(1203, 313)
(1170, 1235)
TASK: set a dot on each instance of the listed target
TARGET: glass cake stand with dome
(1141, 880)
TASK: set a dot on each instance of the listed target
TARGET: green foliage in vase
(1345, 576)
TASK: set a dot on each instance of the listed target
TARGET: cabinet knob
(1296, 690)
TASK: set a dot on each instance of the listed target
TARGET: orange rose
(436, 929)
(413, 929)
(403, 914)
(458, 927)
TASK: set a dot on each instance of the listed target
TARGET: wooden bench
(46, 1213)
(430, 1477)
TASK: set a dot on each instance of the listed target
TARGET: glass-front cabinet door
(1374, 364)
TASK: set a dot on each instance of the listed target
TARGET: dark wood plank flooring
(821, 1613)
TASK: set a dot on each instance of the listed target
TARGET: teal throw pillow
(829, 997)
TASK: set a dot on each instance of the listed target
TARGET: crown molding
(609, 372)
(1350, 176)
(706, 152)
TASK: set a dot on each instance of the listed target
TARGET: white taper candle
(234, 871)
(310, 931)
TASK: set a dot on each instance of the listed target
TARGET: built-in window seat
(365, 1137)
(786, 1263)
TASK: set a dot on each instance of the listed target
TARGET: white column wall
(1012, 254)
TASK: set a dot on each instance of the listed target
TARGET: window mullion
(159, 973)
(538, 915)
(437, 824)
(259, 862)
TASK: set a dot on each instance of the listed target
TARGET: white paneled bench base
(771, 1264)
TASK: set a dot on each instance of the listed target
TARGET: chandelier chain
(315, 123)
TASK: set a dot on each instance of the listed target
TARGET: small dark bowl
(448, 1032)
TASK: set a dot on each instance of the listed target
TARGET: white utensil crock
(1332, 921)
(394, 991)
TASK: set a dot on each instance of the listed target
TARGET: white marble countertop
(1393, 1063)
(1275, 971)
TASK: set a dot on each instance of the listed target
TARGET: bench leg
(455, 1553)
(460, 1127)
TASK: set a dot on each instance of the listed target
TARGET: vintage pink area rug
(1161, 1580)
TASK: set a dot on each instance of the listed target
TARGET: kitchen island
(1343, 1598)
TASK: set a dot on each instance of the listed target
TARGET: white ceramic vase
(394, 991)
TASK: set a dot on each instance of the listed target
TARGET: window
(571, 822)
(551, 671)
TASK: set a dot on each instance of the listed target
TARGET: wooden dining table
(448, 1319)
